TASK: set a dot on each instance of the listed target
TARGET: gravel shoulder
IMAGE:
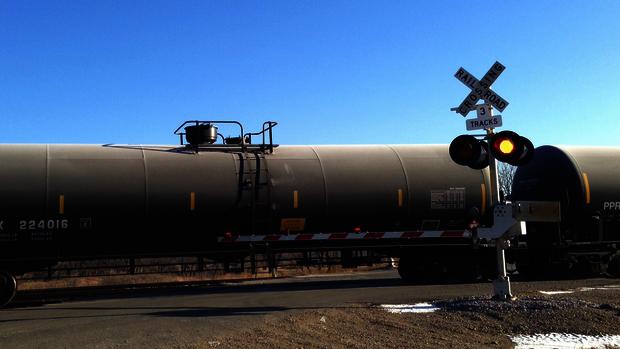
(472, 322)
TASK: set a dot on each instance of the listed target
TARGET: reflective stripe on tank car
(351, 236)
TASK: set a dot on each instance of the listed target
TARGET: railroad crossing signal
(505, 146)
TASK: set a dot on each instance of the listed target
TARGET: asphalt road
(176, 318)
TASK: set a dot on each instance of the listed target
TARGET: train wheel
(412, 270)
(423, 270)
(8, 287)
(613, 267)
(404, 269)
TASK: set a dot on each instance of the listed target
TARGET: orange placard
(292, 224)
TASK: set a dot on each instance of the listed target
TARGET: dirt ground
(461, 323)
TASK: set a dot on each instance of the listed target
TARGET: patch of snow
(564, 341)
(556, 292)
(600, 288)
(585, 289)
(311, 276)
(410, 308)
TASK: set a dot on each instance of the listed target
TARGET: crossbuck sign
(480, 89)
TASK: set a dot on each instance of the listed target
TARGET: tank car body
(586, 183)
(63, 202)
(84, 201)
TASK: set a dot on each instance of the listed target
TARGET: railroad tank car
(586, 183)
(84, 201)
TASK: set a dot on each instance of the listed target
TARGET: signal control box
(537, 211)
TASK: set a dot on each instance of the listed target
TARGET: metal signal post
(501, 285)
(494, 182)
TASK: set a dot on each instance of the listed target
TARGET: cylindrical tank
(585, 182)
(374, 187)
(80, 200)
(99, 200)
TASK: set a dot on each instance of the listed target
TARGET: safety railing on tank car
(202, 134)
(267, 128)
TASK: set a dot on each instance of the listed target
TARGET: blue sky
(330, 72)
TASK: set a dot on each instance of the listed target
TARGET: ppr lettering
(611, 205)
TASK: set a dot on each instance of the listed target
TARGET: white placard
(483, 123)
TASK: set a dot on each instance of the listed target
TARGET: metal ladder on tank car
(254, 191)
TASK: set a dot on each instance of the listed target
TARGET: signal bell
(466, 150)
(508, 146)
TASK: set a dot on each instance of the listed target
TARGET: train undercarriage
(439, 260)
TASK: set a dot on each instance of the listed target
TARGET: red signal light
(505, 146)
(509, 147)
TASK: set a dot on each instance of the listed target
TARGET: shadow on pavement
(43, 297)
(39, 314)
(105, 312)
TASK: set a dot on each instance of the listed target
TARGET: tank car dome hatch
(201, 134)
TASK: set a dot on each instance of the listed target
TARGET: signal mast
(486, 150)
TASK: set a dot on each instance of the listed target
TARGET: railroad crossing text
(480, 89)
